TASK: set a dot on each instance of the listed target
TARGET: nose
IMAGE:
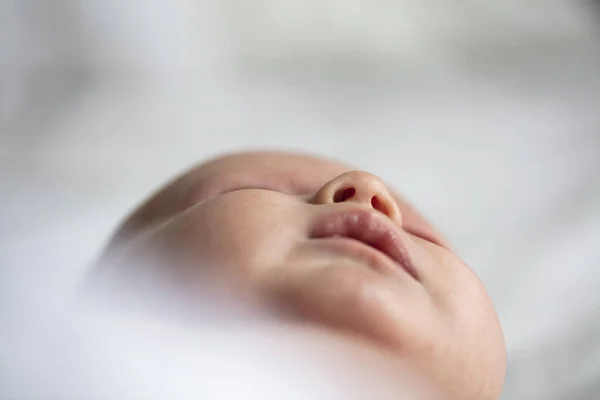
(361, 188)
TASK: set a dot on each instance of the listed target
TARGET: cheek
(471, 309)
(463, 301)
(473, 322)
(246, 238)
(471, 331)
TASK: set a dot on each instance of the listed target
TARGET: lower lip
(358, 250)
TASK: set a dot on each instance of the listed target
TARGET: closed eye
(252, 187)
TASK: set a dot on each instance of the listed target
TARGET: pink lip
(370, 228)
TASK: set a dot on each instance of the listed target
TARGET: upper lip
(369, 227)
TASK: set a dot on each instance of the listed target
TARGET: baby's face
(338, 248)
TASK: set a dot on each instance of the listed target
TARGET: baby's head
(335, 247)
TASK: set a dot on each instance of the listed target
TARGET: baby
(333, 247)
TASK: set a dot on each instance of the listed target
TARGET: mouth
(369, 228)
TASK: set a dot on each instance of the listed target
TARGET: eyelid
(251, 187)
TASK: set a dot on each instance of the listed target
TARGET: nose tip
(362, 188)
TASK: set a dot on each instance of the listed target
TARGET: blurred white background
(485, 114)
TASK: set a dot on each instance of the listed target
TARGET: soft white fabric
(485, 114)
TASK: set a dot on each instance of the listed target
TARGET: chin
(354, 300)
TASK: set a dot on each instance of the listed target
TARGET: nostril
(343, 195)
(379, 205)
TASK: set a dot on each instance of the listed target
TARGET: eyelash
(255, 187)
